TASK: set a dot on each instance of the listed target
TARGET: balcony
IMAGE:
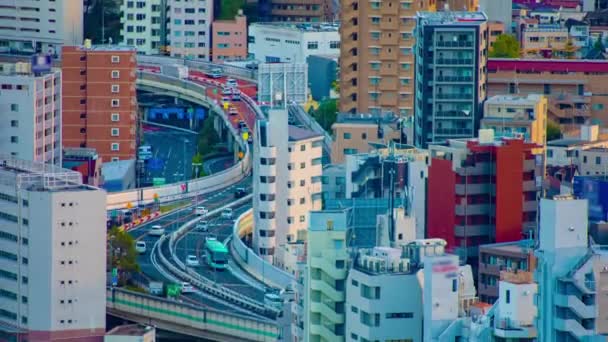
(388, 101)
(389, 25)
(454, 61)
(328, 290)
(530, 185)
(326, 333)
(572, 302)
(479, 169)
(267, 170)
(573, 327)
(388, 56)
(454, 79)
(530, 206)
(454, 44)
(508, 329)
(454, 96)
(327, 312)
(472, 230)
(474, 189)
(388, 84)
(327, 264)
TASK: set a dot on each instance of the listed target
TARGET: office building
(52, 254)
(31, 108)
(300, 10)
(229, 39)
(498, 10)
(512, 116)
(482, 191)
(517, 256)
(292, 42)
(189, 29)
(143, 25)
(99, 102)
(450, 75)
(574, 98)
(287, 185)
(27, 27)
(377, 56)
(327, 261)
(571, 275)
(359, 133)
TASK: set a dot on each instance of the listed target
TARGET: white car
(231, 83)
(227, 213)
(187, 288)
(202, 226)
(140, 247)
(157, 230)
(192, 261)
(233, 111)
(201, 211)
(227, 91)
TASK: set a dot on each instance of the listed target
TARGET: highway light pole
(185, 159)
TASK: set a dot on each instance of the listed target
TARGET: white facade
(189, 28)
(516, 308)
(292, 43)
(143, 24)
(44, 26)
(287, 185)
(52, 250)
(30, 107)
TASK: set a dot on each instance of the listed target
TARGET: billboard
(41, 63)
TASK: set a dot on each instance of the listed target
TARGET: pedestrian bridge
(187, 319)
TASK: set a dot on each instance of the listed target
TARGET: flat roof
(514, 99)
(510, 247)
(301, 27)
(569, 142)
(298, 133)
(547, 65)
(453, 17)
(124, 48)
(117, 169)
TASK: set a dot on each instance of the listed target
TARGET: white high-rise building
(181, 27)
(143, 25)
(28, 26)
(52, 252)
(30, 106)
(287, 185)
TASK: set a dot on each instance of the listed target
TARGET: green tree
(505, 46)
(207, 138)
(599, 45)
(122, 254)
(326, 113)
(197, 170)
(553, 130)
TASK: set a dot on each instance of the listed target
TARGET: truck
(156, 288)
(175, 70)
(215, 73)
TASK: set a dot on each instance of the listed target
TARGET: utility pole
(103, 21)
(391, 200)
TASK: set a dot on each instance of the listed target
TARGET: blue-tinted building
(595, 190)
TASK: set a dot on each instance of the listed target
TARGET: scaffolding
(36, 175)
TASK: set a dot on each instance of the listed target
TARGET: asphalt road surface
(169, 147)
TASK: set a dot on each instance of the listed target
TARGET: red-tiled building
(481, 191)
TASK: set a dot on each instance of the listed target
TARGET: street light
(185, 158)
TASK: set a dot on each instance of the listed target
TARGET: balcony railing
(454, 79)
(454, 61)
(454, 44)
(454, 96)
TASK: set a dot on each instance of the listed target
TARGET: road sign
(158, 181)
(173, 290)
(214, 91)
(245, 135)
(114, 276)
(155, 164)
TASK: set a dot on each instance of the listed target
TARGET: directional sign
(114, 276)
(173, 290)
(158, 181)
(155, 164)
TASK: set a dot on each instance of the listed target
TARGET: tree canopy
(505, 46)
(207, 137)
(326, 113)
(121, 252)
(553, 131)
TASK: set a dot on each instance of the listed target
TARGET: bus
(216, 254)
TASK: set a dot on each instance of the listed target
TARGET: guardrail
(229, 70)
(191, 317)
(217, 290)
(248, 260)
(190, 188)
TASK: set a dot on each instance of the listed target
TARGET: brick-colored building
(576, 90)
(99, 100)
(302, 10)
(229, 39)
(481, 191)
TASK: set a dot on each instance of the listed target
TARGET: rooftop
(117, 169)
(547, 65)
(36, 175)
(102, 48)
(531, 99)
(301, 27)
(508, 247)
(572, 142)
(297, 133)
(130, 330)
(366, 119)
(24, 69)
(453, 17)
(80, 153)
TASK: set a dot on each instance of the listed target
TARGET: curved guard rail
(229, 70)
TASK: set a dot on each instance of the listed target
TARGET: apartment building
(588, 152)
(287, 185)
(377, 56)
(229, 39)
(189, 28)
(52, 253)
(327, 261)
(361, 133)
(292, 42)
(495, 28)
(302, 10)
(575, 89)
(27, 27)
(31, 107)
(571, 274)
(496, 258)
(482, 191)
(143, 25)
(99, 100)
(511, 116)
(516, 311)
(451, 61)
(546, 40)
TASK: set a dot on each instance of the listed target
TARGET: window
(115, 146)
(508, 296)
(350, 151)
(302, 147)
(454, 285)
(302, 182)
(598, 160)
(347, 136)
(14, 139)
(302, 200)
(391, 315)
(115, 74)
(14, 107)
(115, 117)
(334, 44)
(115, 59)
(354, 309)
(549, 153)
(115, 88)
(302, 165)
(115, 132)
(354, 283)
(115, 103)
(313, 45)
(302, 218)
(14, 123)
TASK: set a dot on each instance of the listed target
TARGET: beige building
(588, 152)
(354, 133)
(510, 116)
(377, 57)
(541, 39)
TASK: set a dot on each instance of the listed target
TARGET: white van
(140, 247)
(227, 213)
(157, 230)
(200, 211)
